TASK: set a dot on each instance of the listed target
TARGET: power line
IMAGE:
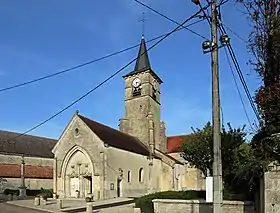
(230, 50)
(161, 14)
(89, 62)
(238, 90)
(238, 36)
(240, 74)
(107, 79)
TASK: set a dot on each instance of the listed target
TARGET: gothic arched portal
(77, 173)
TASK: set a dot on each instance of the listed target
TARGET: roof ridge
(35, 136)
(178, 135)
(118, 144)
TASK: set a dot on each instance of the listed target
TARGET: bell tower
(142, 103)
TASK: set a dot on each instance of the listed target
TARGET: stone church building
(91, 158)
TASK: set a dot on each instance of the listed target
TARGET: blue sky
(42, 37)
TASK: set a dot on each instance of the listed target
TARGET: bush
(32, 192)
(146, 204)
(46, 193)
(11, 192)
(88, 199)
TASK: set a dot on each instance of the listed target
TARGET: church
(92, 159)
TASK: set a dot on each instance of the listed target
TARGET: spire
(143, 62)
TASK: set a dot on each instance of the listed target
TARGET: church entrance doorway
(119, 188)
(88, 185)
(74, 186)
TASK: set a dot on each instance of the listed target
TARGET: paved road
(7, 208)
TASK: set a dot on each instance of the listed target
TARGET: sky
(39, 38)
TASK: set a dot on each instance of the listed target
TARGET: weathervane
(143, 19)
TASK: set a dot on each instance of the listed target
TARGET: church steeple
(143, 62)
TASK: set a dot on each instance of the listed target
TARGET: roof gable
(116, 138)
(27, 145)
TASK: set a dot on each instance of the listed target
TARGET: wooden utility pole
(217, 163)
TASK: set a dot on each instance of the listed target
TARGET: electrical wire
(230, 50)
(238, 36)
(238, 90)
(88, 63)
(107, 79)
(166, 17)
(240, 74)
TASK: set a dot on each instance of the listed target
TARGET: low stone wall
(196, 206)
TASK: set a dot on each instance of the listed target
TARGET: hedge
(48, 193)
(146, 204)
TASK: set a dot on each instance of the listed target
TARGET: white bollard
(36, 201)
(10, 197)
(89, 208)
(59, 204)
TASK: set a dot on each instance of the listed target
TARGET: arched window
(129, 176)
(141, 175)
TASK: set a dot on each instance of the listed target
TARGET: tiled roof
(174, 143)
(13, 171)
(28, 145)
(116, 138)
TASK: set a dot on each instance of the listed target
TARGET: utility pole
(217, 163)
(213, 47)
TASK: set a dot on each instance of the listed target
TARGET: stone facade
(193, 179)
(138, 107)
(86, 163)
(195, 206)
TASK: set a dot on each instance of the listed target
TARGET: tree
(264, 45)
(198, 151)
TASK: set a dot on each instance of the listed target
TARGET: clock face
(136, 82)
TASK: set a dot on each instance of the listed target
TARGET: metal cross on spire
(143, 19)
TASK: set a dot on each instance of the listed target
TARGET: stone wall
(30, 183)
(271, 190)
(196, 206)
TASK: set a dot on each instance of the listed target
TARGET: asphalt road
(7, 208)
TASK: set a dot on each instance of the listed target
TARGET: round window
(76, 131)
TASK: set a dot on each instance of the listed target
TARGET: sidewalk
(78, 205)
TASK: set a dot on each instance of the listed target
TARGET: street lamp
(207, 46)
(225, 40)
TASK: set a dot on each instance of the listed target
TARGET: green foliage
(46, 193)
(11, 192)
(146, 204)
(31, 192)
(198, 149)
(88, 199)
(264, 45)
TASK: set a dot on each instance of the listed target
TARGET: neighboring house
(37, 156)
(193, 178)
(91, 158)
